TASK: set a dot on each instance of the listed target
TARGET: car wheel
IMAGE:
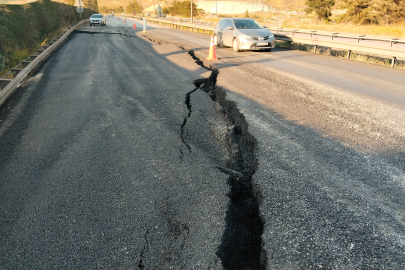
(216, 41)
(235, 45)
(91, 25)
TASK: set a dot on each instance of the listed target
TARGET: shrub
(358, 12)
(322, 8)
(181, 9)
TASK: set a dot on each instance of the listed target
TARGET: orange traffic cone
(211, 55)
(134, 25)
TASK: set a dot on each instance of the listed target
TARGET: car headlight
(246, 37)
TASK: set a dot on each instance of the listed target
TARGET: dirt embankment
(25, 26)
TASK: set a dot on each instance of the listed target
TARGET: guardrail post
(393, 61)
(144, 25)
(25, 63)
(4, 83)
(15, 71)
(348, 54)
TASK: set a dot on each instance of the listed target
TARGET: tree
(322, 8)
(120, 9)
(358, 12)
(133, 6)
(390, 11)
(104, 9)
(31, 33)
(182, 9)
(165, 10)
(95, 5)
(4, 34)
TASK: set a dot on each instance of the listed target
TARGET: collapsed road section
(331, 172)
(241, 246)
(241, 242)
(90, 172)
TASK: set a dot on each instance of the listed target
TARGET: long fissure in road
(90, 174)
(112, 189)
(241, 246)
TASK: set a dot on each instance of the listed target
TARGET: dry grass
(291, 4)
(397, 30)
(14, 56)
(16, 2)
(309, 22)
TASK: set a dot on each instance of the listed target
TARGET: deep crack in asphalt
(188, 104)
(241, 246)
(145, 248)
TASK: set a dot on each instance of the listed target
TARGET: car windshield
(247, 24)
(96, 16)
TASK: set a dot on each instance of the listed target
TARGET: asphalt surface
(331, 158)
(113, 156)
(103, 165)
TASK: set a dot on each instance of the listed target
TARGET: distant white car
(97, 19)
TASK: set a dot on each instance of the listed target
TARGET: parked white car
(243, 34)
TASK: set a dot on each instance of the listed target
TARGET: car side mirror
(264, 26)
(229, 28)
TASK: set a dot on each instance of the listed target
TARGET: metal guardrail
(9, 86)
(385, 46)
(199, 28)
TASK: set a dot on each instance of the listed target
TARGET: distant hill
(223, 7)
(279, 4)
(87, 3)
(15, 2)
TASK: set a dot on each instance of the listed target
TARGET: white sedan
(97, 19)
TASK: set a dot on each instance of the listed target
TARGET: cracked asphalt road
(331, 153)
(121, 162)
(95, 173)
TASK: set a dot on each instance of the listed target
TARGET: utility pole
(191, 11)
(154, 6)
(80, 6)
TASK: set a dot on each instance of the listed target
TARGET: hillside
(251, 5)
(222, 7)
